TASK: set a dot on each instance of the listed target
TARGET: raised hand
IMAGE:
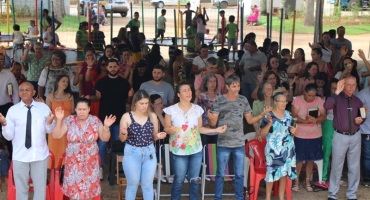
(50, 118)
(59, 113)
(229, 72)
(340, 86)
(343, 50)
(361, 54)
(221, 129)
(108, 121)
(266, 110)
(28, 46)
(264, 68)
(2, 120)
(131, 92)
(161, 135)
(292, 81)
(259, 78)
(89, 62)
(78, 68)
(97, 94)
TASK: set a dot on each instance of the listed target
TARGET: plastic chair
(258, 169)
(59, 187)
(50, 187)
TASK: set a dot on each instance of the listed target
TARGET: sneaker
(101, 173)
(366, 184)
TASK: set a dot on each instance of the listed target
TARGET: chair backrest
(119, 160)
(258, 149)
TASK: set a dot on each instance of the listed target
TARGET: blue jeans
(223, 155)
(247, 89)
(114, 131)
(139, 168)
(186, 165)
(365, 157)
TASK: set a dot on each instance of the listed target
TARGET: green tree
(309, 19)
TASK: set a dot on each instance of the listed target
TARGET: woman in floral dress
(81, 176)
(184, 122)
(279, 150)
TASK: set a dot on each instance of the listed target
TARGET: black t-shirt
(135, 43)
(138, 80)
(114, 94)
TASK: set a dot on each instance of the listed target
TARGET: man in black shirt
(113, 92)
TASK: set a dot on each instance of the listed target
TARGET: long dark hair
(200, 16)
(266, 76)
(101, 59)
(269, 62)
(303, 54)
(353, 71)
(177, 99)
(328, 87)
(308, 67)
(68, 90)
(155, 51)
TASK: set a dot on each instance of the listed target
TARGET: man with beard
(158, 86)
(113, 92)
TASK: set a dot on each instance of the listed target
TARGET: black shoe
(331, 199)
(352, 199)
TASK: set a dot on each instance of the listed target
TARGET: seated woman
(253, 18)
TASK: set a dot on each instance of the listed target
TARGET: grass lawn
(70, 23)
(358, 29)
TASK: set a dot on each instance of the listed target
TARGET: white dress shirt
(7, 77)
(15, 130)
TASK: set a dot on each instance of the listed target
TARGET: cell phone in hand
(294, 122)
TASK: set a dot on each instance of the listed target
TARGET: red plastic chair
(59, 187)
(258, 169)
(49, 186)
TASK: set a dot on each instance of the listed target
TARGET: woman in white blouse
(184, 122)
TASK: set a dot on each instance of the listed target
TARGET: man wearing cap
(98, 38)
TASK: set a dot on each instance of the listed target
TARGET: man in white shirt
(158, 86)
(25, 125)
(199, 62)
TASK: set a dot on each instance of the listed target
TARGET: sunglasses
(55, 58)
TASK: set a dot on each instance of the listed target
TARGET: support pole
(241, 26)
(131, 9)
(178, 18)
(97, 14)
(271, 11)
(36, 18)
(111, 25)
(13, 12)
(53, 21)
(89, 23)
(8, 16)
(218, 16)
(317, 19)
(237, 22)
(155, 25)
(293, 30)
(48, 5)
(281, 28)
(142, 16)
(182, 31)
(268, 24)
(174, 17)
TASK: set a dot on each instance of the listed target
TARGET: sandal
(295, 188)
(342, 183)
(309, 188)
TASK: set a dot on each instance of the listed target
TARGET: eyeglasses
(55, 58)
(274, 61)
(285, 102)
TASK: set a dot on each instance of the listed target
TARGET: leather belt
(346, 133)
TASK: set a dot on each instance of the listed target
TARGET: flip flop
(295, 188)
(309, 188)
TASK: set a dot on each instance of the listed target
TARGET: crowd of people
(306, 109)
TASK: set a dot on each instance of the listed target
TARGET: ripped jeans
(186, 165)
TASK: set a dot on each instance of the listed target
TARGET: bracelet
(89, 67)
(106, 128)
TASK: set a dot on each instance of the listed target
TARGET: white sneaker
(101, 173)
(186, 180)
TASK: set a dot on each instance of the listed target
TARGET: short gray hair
(232, 79)
(205, 81)
(211, 61)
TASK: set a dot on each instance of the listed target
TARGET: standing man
(250, 67)
(134, 22)
(158, 86)
(346, 139)
(98, 38)
(338, 43)
(113, 92)
(229, 110)
(364, 96)
(44, 26)
(26, 125)
(35, 63)
(7, 82)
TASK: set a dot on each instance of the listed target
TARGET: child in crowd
(188, 16)
(31, 28)
(161, 25)
(4, 163)
(217, 37)
(232, 29)
(17, 71)
(285, 60)
(115, 42)
(18, 39)
(172, 47)
(321, 81)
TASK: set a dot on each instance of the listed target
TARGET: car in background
(116, 6)
(161, 3)
(225, 3)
